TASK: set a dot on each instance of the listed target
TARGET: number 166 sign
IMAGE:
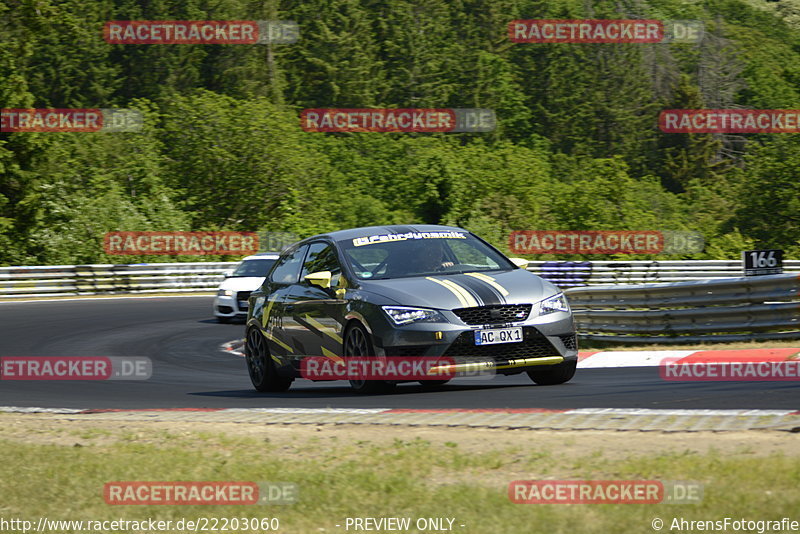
(758, 262)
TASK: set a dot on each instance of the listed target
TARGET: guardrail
(731, 309)
(577, 274)
(700, 301)
(71, 280)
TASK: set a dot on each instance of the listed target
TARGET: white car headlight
(225, 293)
(556, 303)
(405, 315)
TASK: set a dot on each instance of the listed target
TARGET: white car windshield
(258, 268)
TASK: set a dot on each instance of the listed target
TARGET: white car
(233, 292)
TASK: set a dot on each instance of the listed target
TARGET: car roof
(388, 229)
(263, 256)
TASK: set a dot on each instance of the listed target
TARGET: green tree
(769, 204)
(688, 157)
(336, 63)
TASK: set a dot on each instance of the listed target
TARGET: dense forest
(577, 146)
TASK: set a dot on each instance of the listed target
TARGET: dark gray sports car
(418, 291)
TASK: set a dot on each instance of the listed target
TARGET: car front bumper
(545, 339)
(225, 306)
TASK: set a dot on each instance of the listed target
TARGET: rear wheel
(262, 370)
(554, 374)
(357, 343)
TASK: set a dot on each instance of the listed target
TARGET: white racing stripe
(471, 301)
(463, 296)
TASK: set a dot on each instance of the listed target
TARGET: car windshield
(258, 268)
(378, 257)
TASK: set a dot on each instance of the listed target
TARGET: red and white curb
(522, 418)
(235, 347)
(640, 358)
(654, 358)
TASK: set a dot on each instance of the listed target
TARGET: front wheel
(554, 374)
(357, 343)
(262, 370)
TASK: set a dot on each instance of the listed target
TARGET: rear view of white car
(233, 292)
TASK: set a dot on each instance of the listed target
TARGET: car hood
(242, 283)
(451, 291)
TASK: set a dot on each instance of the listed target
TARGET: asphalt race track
(183, 341)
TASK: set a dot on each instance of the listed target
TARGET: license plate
(243, 304)
(494, 336)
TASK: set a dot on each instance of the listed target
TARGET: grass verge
(58, 471)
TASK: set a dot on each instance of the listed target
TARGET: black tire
(223, 320)
(358, 343)
(262, 370)
(433, 383)
(554, 374)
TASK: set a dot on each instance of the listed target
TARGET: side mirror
(522, 263)
(228, 273)
(321, 279)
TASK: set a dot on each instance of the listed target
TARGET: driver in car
(417, 257)
(432, 257)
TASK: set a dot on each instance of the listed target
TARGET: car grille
(242, 297)
(409, 350)
(570, 341)
(497, 314)
(534, 345)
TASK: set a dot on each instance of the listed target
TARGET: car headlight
(405, 315)
(225, 293)
(556, 303)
